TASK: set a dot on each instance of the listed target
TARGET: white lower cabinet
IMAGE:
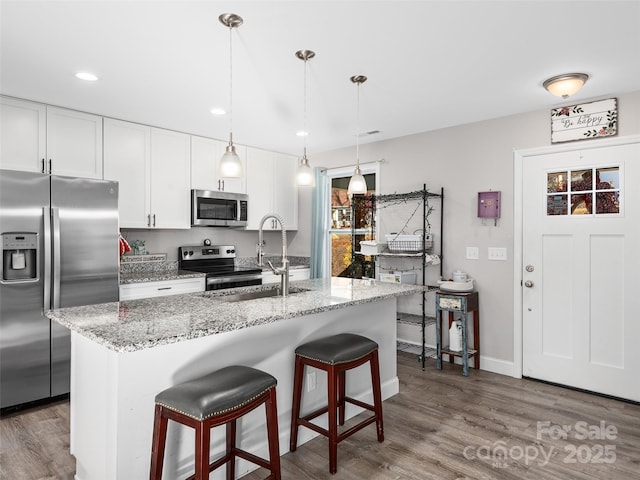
(272, 188)
(133, 291)
(294, 274)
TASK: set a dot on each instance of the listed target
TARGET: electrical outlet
(497, 253)
(472, 253)
(311, 381)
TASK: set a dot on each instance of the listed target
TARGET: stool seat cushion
(342, 348)
(219, 392)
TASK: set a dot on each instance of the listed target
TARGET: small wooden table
(462, 303)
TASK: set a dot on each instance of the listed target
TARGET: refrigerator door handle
(46, 217)
(55, 232)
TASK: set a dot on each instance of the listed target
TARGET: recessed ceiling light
(217, 111)
(302, 133)
(89, 77)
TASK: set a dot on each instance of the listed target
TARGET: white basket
(408, 243)
(372, 247)
(408, 278)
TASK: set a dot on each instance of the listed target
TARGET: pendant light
(304, 175)
(357, 184)
(230, 165)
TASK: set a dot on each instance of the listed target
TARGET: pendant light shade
(230, 165)
(304, 175)
(565, 85)
(357, 183)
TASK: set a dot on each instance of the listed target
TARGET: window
(340, 224)
(590, 191)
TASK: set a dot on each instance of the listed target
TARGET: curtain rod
(324, 169)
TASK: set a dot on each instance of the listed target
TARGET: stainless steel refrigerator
(59, 249)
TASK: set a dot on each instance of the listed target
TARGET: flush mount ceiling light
(566, 84)
(230, 165)
(304, 176)
(357, 183)
(89, 77)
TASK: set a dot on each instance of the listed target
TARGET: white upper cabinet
(127, 160)
(24, 135)
(153, 168)
(50, 140)
(271, 188)
(170, 179)
(74, 143)
(205, 157)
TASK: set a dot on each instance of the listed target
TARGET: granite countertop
(133, 325)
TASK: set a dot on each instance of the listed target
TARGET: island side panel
(123, 386)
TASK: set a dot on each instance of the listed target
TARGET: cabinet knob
(528, 284)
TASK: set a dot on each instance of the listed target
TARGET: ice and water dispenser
(19, 257)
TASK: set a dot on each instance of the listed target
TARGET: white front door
(581, 268)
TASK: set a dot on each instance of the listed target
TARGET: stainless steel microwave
(210, 208)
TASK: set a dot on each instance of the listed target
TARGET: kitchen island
(124, 353)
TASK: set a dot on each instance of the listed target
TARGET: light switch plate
(497, 253)
(472, 253)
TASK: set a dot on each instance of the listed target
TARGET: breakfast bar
(124, 353)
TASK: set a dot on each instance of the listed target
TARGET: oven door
(232, 281)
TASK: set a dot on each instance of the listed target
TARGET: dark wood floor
(440, 426)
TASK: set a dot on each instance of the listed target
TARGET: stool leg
(158, 443)
(202, 451)
(231, 449)
(295, 410)
(333, 420)
(272, 432)
(377, 394)
(341, 394)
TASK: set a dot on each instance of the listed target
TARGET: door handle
(528, 284)
(55, 235)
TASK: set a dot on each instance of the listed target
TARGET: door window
(572, 192)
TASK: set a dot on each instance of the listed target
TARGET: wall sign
(584, 121)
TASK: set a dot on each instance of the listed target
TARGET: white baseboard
(489, 364)
(496, 365)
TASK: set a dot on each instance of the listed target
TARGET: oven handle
(235, 278)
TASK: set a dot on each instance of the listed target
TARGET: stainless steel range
(218, 262)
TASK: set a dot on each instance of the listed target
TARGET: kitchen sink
(272, 292)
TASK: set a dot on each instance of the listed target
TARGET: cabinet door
(23, 131)
(285, 194)
(205, 157)
(133, 291)
(127, 159)
(170, 179)
(74, 143)
(260, 187)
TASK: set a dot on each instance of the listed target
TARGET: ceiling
(430, 64)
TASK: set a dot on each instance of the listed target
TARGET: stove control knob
(207, 242)
(190, 252)
(231, 251)
(185, 253)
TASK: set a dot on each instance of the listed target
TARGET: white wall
(465, 160)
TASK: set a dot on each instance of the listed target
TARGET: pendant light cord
(304, 116)
(231, 84)
(358, 128)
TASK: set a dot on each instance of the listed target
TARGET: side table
(462, 303)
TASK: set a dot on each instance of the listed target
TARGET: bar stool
(335, 355)
(217, 399)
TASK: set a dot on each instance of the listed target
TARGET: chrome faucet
(283, 270)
